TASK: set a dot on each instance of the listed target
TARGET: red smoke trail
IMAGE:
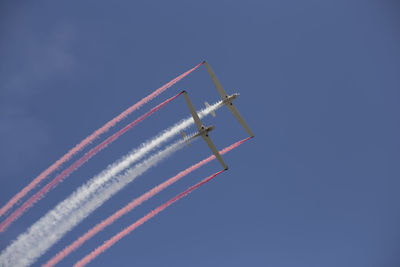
(10, 219)
(90, 139)
(133, 204)
(106, 245)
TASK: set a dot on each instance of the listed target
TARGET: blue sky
(319, 84)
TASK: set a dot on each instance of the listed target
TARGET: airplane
(227, 99)
(203, 131)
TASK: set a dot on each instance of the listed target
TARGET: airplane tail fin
(212, 112)
(184, 136)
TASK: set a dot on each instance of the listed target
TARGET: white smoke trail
(67, 214)
(55, 224)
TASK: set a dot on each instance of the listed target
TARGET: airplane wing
(217, 84)
(193, 111)
(236, 113)
(214, 150)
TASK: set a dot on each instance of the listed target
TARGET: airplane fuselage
(228, 100)
(204, 130)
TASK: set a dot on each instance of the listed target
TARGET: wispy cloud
(15, 125)
(37, 60)
(28, 65)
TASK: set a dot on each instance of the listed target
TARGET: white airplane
(227, 100)
(203, 131)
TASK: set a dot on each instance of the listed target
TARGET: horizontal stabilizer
(185, 138)
(212, 112)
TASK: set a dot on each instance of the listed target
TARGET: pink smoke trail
(133, 204)
(90, 139)
(106, 245)
(17, 213)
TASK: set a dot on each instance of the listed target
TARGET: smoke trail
(106, 245)
(90, 139)
(51, 227)
(15, 215)
(133, 204)
(66, 215)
